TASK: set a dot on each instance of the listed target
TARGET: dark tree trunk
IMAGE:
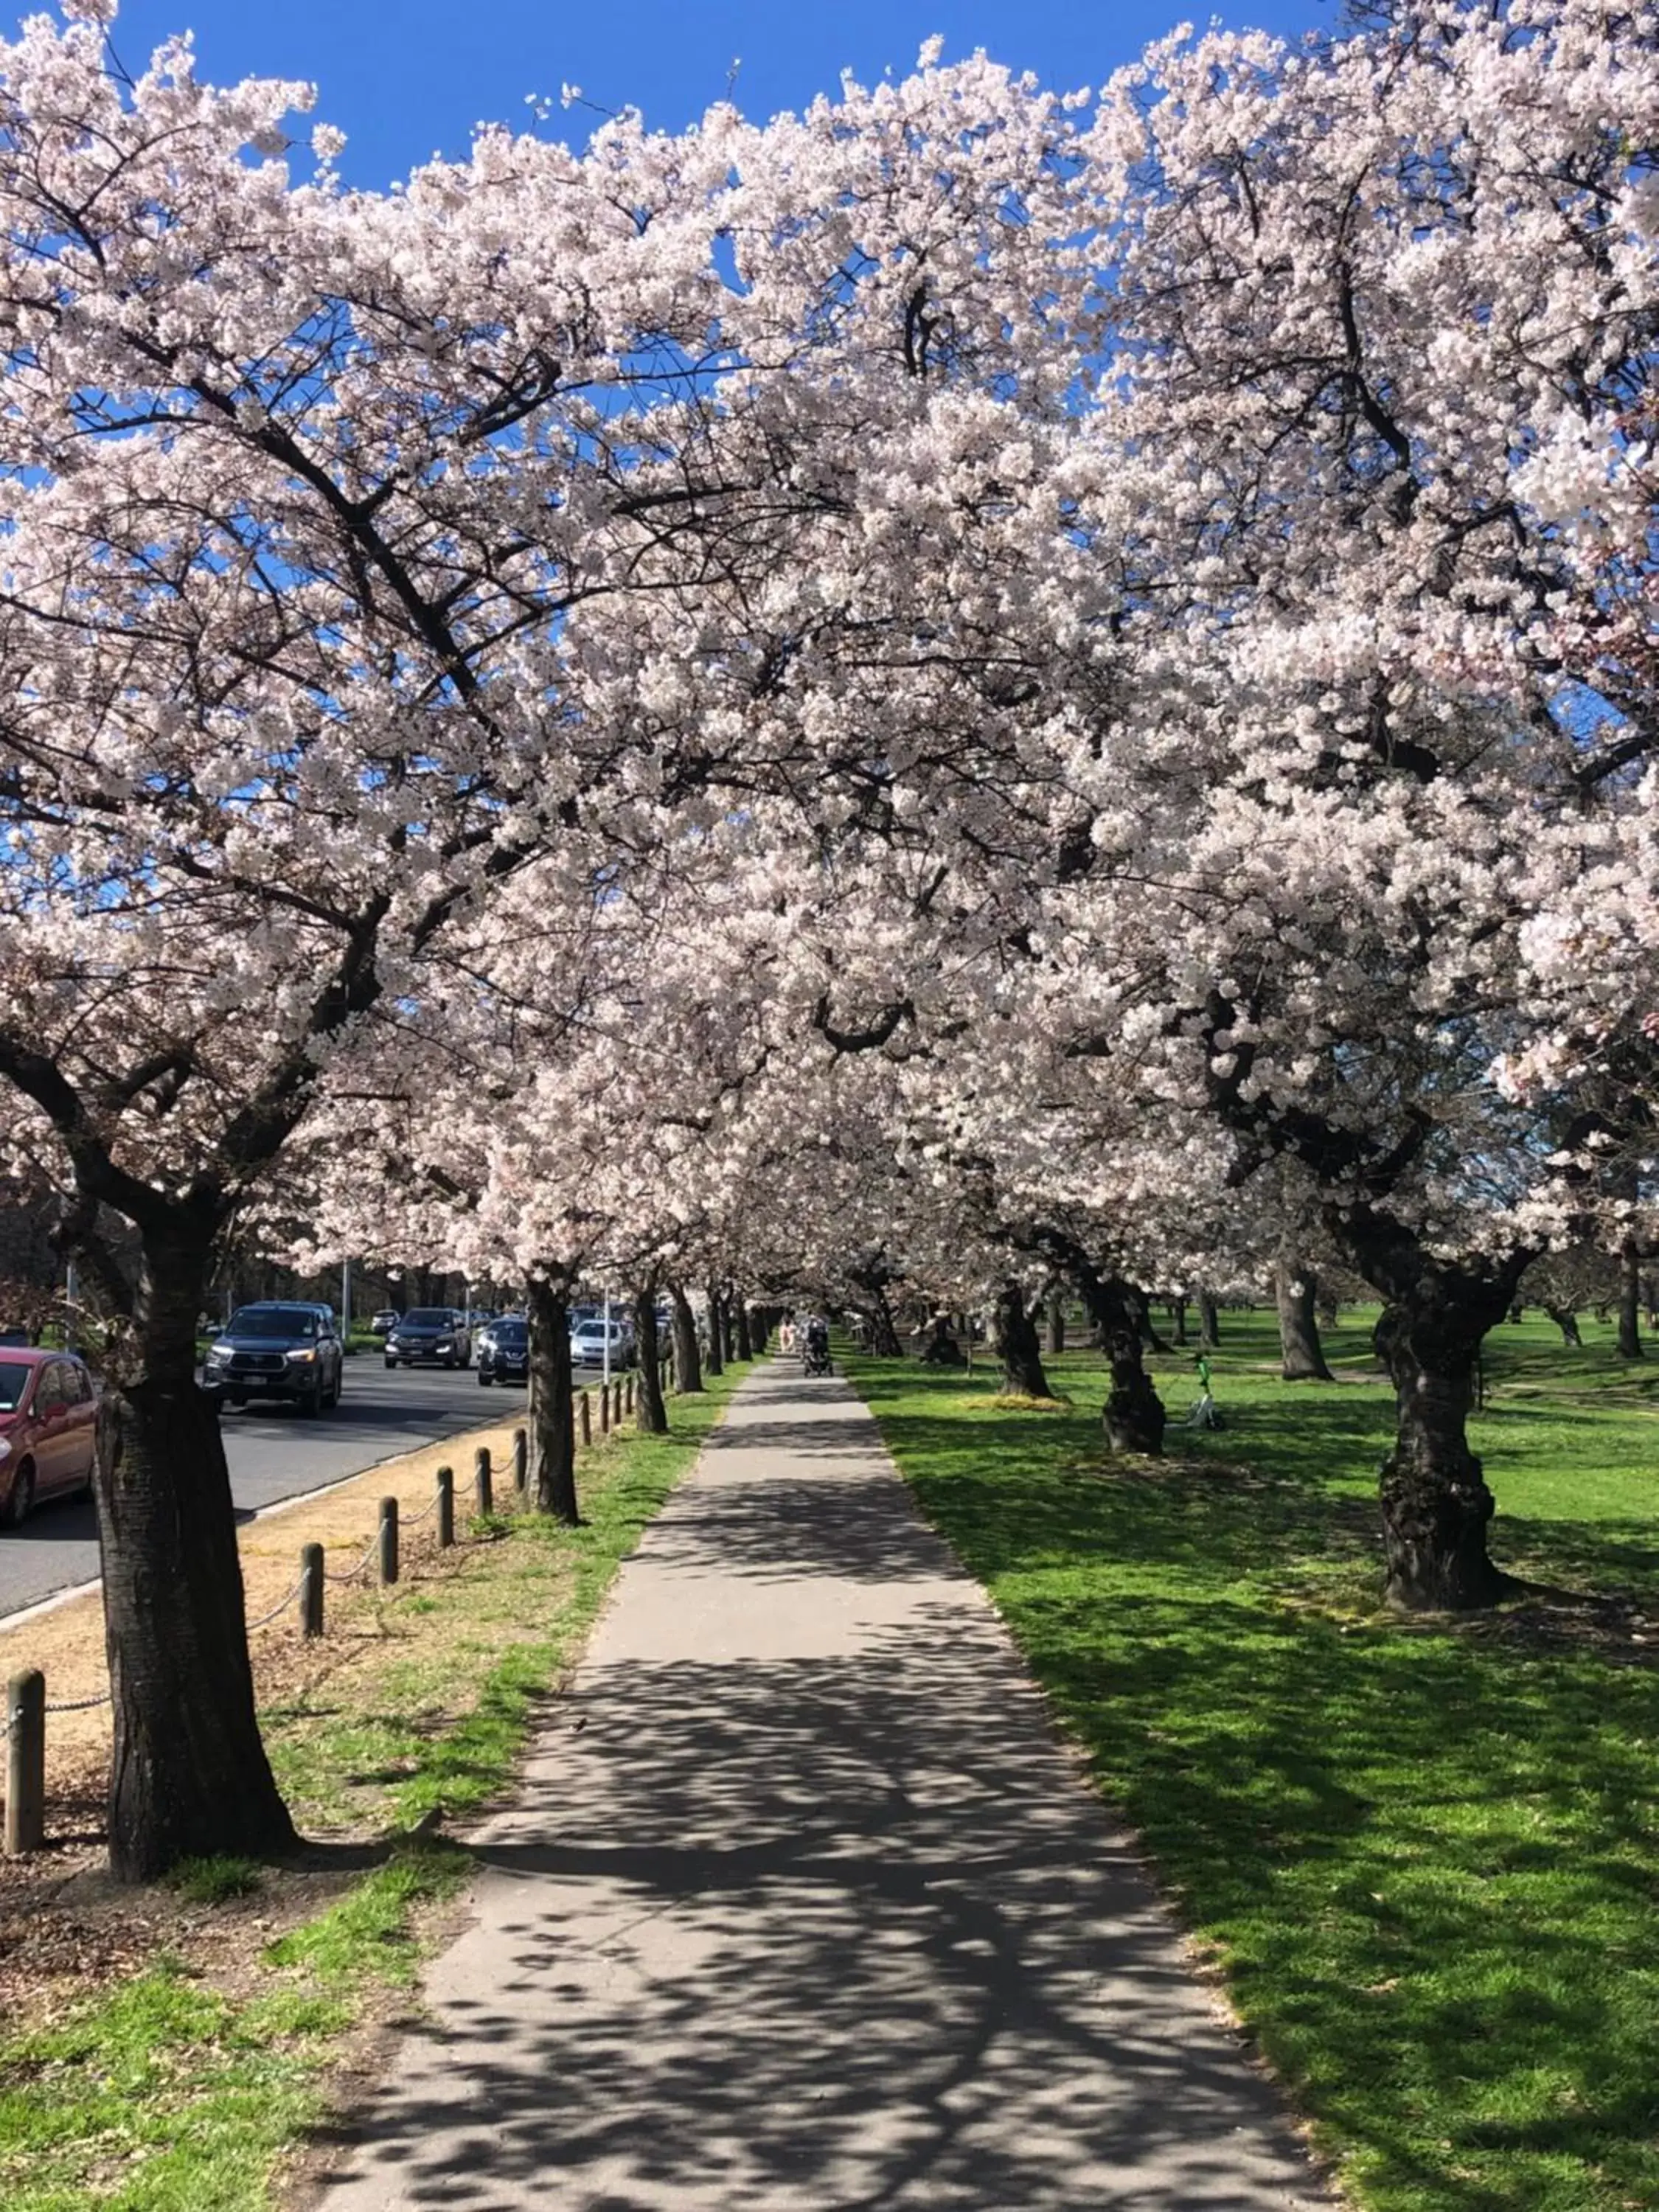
(941, 1349)
(884, 1330)
(1133, 1416)
(728, 1333)
(1435, 1504)
(1178, 1315)
(1056, 1323)
(687, 1360)
(650, 1414)
(1630, 1304)
(189, 1777)
(1014, 1341)
(884, 1334)
(716, 1333)
(1567, 1320)
(740, 1311)
(1144, 1321)
(552, 1408)
(1296, 1290)
(1209, 1322)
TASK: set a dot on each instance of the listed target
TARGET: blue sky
(405, 78)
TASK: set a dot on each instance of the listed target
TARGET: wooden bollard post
(627, 1394)
(26, 1763)
(586, 1417)
(446, 1508)
(388, 1539)
(311, 1589)
(605, 1409)
(482, 1480)
(520, 1461)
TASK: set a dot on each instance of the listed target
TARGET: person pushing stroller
(815, 1345)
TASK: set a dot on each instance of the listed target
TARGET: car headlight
(219, 1356)
(302, 1358)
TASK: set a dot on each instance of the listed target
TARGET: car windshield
(13, 1380)
(272, 1321)
(510, 1332)
(427, 1318)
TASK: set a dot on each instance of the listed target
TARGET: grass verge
(1424, 1855)
(183, 2088)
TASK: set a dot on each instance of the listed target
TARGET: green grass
(216, 1880)
(165, 2094)
(1426, 1855)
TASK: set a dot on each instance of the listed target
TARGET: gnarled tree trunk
(1629, 1302)
(1014, 1341)
(1296, 1288)
(552, 1408)
(1056, 1323)
(1133, 1416)
(1435, 1504)
(716, 1333)
(189, 1777)
(1144, 1321)
(687, 1360)
(1178, 1317)
(650, 1414)
(1209, 1322)
(1567, 1320)
(740, 1314)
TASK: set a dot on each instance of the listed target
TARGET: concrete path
(802, 1908)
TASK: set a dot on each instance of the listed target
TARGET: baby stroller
(815, 1350)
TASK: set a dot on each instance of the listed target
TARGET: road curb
(39, 1610)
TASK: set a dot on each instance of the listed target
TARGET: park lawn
(184, 2089)
(1423, 1855)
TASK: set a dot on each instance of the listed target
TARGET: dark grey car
(280, 1350)
(437, 1333)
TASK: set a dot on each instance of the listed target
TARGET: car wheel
(311, 1401)
(339, 1385)
(483, 1380)
(390, 1361)
(20, 1498)
(449, 1362)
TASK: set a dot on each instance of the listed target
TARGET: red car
(48, 1413)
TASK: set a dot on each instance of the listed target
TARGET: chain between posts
(266, 1619)
(352, 1573)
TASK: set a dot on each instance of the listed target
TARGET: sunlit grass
(167, 2094)
(1427, 1855)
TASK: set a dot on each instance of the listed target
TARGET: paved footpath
(802, 1908)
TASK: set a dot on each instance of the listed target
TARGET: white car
(587, 1345)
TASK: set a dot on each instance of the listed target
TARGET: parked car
(587, 1345)
(383, 1323)
(437, 1333)
(48, 1414)
(281, 1349)
(504, 1351)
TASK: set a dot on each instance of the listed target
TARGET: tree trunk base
(189, 1777)
(1135, 1422)
(1434, 1538)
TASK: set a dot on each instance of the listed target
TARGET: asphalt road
(274, 1452)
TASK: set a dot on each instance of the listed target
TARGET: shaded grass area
(173, 2094)
(1424, 1854)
